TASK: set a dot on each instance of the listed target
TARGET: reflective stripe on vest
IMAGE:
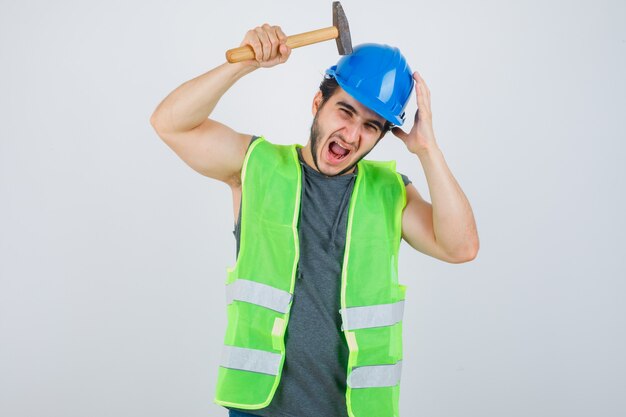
(371, 316)
(252, 360)
(375, 376)
(257, 293)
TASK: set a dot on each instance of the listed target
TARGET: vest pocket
(252, 355)
(230, 274)
(278, 332)
(395, 343)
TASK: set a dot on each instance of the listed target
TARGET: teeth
(342, 147)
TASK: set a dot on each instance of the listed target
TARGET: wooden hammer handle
(244, 53)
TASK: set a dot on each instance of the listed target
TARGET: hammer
(338, 31)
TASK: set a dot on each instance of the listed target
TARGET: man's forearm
(453, 220)
(192, 102)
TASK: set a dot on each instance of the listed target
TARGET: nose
(352, 132)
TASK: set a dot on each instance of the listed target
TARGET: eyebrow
(353, 110)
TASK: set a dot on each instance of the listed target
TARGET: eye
(344, 112)
(372, 127)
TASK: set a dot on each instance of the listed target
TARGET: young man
(314, 304)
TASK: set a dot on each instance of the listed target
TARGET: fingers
(269, 45)
(252, 39)
(419, 78)
(266, 43)
(423, 94)
(283, 49)
(280, 34)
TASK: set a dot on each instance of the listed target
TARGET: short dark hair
(329, 85)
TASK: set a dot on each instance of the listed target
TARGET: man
(314, 303)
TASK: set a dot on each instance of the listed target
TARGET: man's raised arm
(182, 118)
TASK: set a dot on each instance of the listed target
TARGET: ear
(317, 99)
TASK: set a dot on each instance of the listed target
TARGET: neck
(308, 156)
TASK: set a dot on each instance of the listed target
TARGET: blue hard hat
(377, 76)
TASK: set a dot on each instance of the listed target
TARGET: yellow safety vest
(260, 286)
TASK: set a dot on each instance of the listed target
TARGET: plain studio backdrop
(114, 251)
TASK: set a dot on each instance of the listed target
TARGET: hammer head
(344, 41)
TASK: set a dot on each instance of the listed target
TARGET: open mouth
(336, 152)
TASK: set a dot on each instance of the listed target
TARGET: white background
(113, 251)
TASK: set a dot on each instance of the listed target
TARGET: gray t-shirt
(313, 381)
